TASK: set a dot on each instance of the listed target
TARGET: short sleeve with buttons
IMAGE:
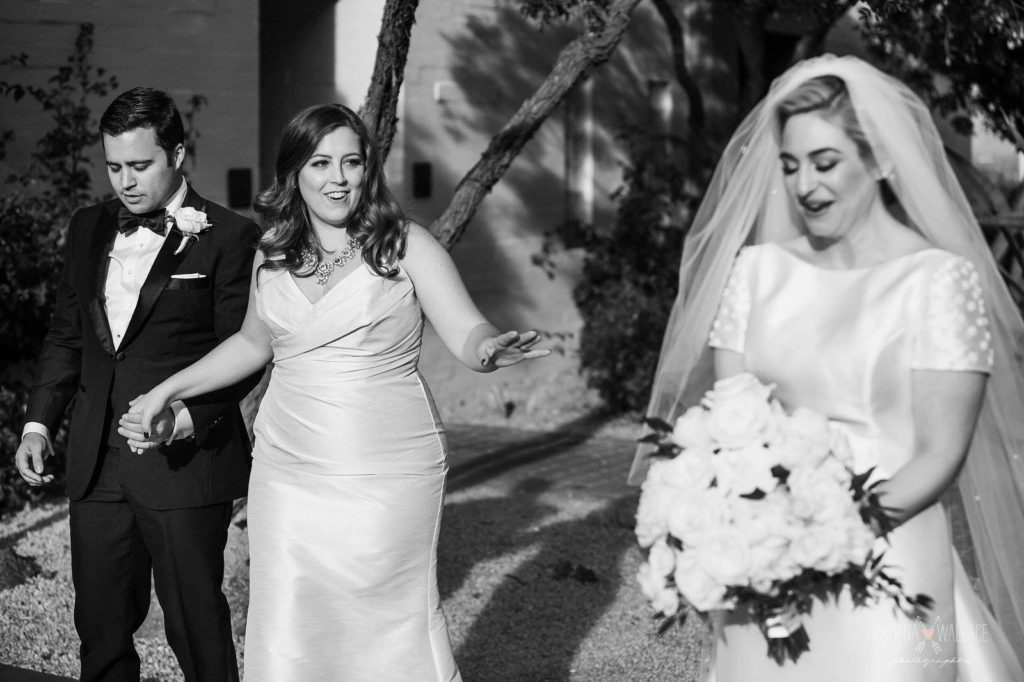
(954, 332)
(729, 329)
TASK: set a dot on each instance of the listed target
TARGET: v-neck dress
(345, 496)
(845, 343)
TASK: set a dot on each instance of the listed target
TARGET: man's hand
(29, 458)
(130, 426)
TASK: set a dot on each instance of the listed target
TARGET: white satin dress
(346, 491)
(844, 343)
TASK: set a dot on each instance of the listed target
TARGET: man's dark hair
(145, 108)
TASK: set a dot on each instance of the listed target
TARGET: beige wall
(185, 47)
(461, 86)
(471, 65)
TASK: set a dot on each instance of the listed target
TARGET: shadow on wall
(496, 60)
(481, 88)
(296, 67)
(485, 90)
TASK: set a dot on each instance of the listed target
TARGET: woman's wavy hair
(377, 223)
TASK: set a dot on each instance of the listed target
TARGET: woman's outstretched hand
(510, 348)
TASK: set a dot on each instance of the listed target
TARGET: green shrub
(14, 491)
(630, 276)
(36, 205)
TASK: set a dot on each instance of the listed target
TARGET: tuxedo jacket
(176, 321)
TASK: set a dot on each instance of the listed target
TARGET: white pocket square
(189, 275)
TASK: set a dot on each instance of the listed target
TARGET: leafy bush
(14, 491)
(630, 276)
(35, 207)
(38, 201)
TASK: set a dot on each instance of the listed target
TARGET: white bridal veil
(747, 203)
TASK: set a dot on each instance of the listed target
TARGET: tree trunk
(750, 21)
(694, 97)
(575, 61)
(683, 75)
(380, 110)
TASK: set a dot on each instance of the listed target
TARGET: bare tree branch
(575, 61)
(380, 110)
(1015, 128)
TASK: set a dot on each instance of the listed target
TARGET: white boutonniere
(190, 222)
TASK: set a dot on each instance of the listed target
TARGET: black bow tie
(128, 222)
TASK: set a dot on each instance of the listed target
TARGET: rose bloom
(810, 426)
(691, 430)
(816, 495)
(724, 555)
(770, 561)
(655, 587)
(740, 471)
(690, 471)
(662, 558)
(699, 588)
(794, 452)
(767, 526)
(860, 540)
(820, 547)
(737, 386)
(652, 512)
(840, 556)
(697, 514)
(739, 411)
(830, 466)
(190, 221)
(839, 444)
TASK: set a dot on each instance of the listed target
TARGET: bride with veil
(898, 326)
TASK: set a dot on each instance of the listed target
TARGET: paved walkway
(571, 459)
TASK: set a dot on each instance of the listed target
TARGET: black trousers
(117, 544)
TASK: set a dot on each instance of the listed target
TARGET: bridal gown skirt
(343, 578)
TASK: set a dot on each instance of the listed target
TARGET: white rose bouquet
(748, 507)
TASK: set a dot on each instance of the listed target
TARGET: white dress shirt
(130, 261)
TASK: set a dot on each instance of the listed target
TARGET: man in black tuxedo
(152, 280)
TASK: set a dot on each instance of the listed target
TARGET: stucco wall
(185, 47)
(471, 65)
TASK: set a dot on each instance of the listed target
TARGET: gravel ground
(536, 586)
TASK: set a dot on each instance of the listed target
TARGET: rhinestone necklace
(324, 267)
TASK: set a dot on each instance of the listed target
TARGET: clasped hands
(146, 424)
(35, 448)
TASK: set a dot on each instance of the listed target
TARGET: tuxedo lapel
(164, 266)
(96, 275)
(193, 200)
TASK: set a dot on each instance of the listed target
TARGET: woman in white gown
(349, 461)
(866, 292)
